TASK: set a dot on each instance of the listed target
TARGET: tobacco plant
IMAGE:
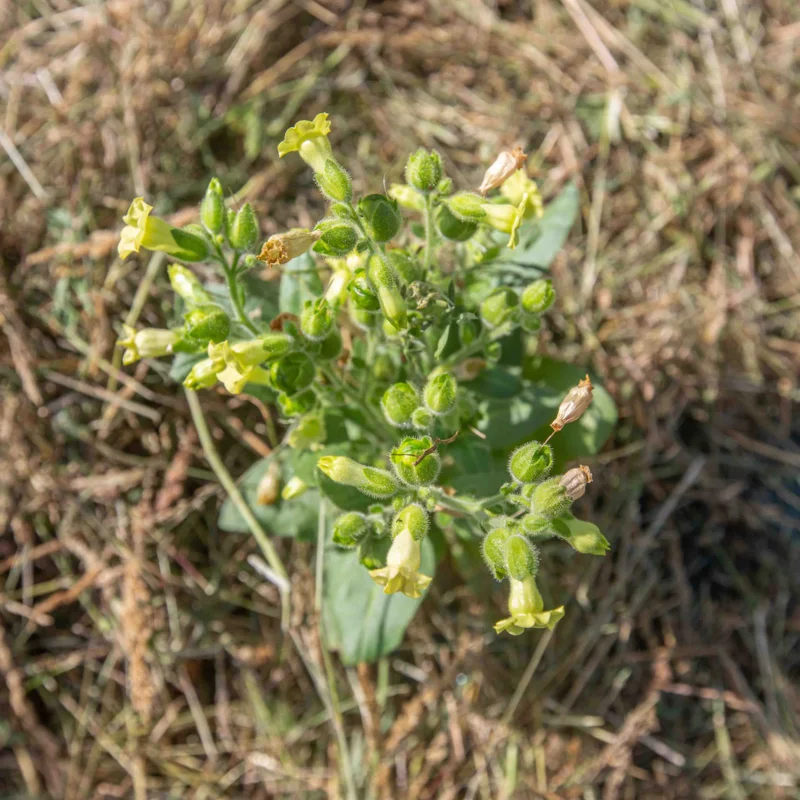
(396, 344)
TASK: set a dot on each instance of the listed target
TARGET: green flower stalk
(143, 230)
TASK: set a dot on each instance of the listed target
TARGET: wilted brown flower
(574, 404)
(575, 480)
(504, 166)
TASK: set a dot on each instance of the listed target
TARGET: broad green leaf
(299, 282)
(508, 422)
(182, 365)
(360, 621)
(496, 382)
(296, 518)
(470, 466)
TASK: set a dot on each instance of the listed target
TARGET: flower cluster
(394, 328)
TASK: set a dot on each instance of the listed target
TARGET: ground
(141, 656)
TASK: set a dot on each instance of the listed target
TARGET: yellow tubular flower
(401, 573)
(526, 607)
(310, 140)
(142, 230)
(520, 188)
(239, 364)
(148, 343)
(504, 218)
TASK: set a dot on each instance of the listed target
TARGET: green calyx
(381, 216)
(212, 207)
(292, 373)
(316, 319)
(413, 518)
(493, 549)
(349, 529)
(362, 294)
(424, 170)
(334, 182)
(537, 297)
(550, 498)
(398, 403)
(243, 233)
(440, 393)
(206, 323)
(453, 228)
(337, 239)
(412, 465)
(521, 558)
(499, 307)
(530, 462)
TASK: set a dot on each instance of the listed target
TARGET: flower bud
(453, 228)
(204, 373)
(550, 498)
(407, 196)
(585, 537)
(186, 285)
(268, 489)
(440, 393)
(412, 518)
(207, 323)
(147, 343)
(521, 558)
(244, 230)
(296, 404)
(294, 488)
(377, 483)
(316, 319)
(577, 400)
(212, 207)
(330, 346)
(424, 170)
(310, 140)
(466, 206)
(361, 293)
(575, 480)
(283, 247)
(421, 419)
(398, 403)
(404, 459)
(503, 167)
(530, 462)
(307, 431)
(349, 529)
(380, 215)
(384, 281)
(536, 527)
(406, 267)
(526, 609)
(493, 548)
(334, 182)
(336, 239)
(537, 297)
(292, 373)
(499, 307)
(520, 190)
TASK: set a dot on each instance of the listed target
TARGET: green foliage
(409, 313)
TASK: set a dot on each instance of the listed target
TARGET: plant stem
(428, 235)
(471, 509)
(232, 490)
(236, 299)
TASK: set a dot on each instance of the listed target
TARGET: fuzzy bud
(537, 297)
(334, 182)
(337, 239)
(453, 228)
(493, 548)
(244, 231)
(424, 170)
(575, 480)
(585, 537)
(440, 393)
(349, 529)
(536, 527)
(207, 323)
(421, 419)
(380, 215)
(316, 319)
(212, 207)
(574, 404)
(550, 498)
(503, 167)
(521, 558)
(385, 283)
(412, 518)
(398, 403)
(407, 464)
(377, 483)
(530, 462)
(499, 307)
(407, 196)
(292, 373)
(468, 207)
(294, 488)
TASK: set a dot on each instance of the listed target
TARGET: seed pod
(550, 498)
(244, 231)
(337, 240)
(521, 558)
(404, 459)
(212, 207)
(537, 297)
(380, 215)
(503, 167)
(424, 170)
(385, 283)
(575, 480)
(398, 403)
(499, 307)
(334, 182)
(294, 488)
(207, 323)
(466, 206)
(453, 228)
(377, 483)
(574, 404)
(349, 529)
(361, 293)
(292, 373)
(440, 393)
(316, 319)
(530, 462)
(412, 518)
(493, 549)
(294, 405)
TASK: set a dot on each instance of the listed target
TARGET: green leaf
(359, 620)
(508, 422)
(496, 382)
(344, 497)
(296, 518)
(470, 467)
(299, 282)
(260, 300)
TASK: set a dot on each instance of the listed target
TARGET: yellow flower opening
(309, 139)
(238, 364)
(142, 230)
(147, 343)
(505, 218)
(520, 190)
(526, 607)
(401, 573)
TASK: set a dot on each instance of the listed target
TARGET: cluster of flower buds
(405, 407)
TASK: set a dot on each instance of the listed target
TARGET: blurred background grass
(141, 656)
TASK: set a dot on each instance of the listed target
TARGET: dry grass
(142, 656)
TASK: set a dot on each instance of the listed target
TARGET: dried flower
(283, 247)
(574, 404)
(504, 166)
(575, 480)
